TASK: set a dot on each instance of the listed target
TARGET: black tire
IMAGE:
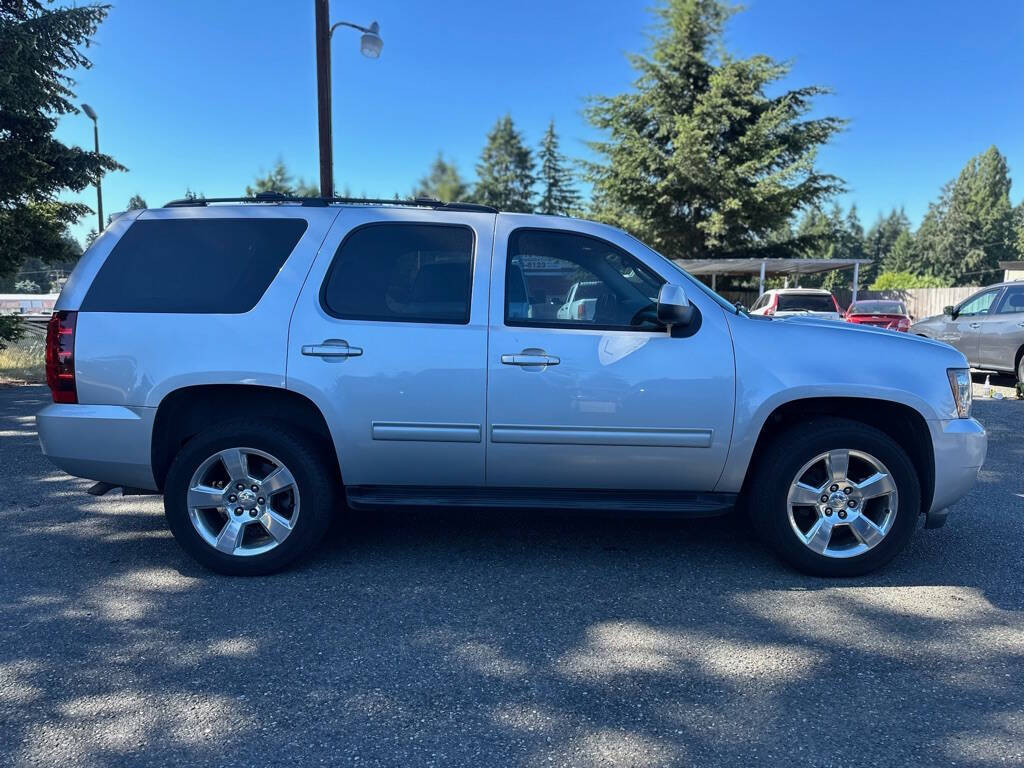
(1020, 370)
(315, 478)
(767, 493)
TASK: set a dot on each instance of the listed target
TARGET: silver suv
(260, 362)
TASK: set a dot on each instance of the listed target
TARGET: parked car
(260, 362)
(786, 302)
(987, 327)
(581, 301)
(881, 313)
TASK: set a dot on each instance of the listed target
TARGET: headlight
(963, 395)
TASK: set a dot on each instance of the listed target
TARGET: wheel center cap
(247, 499)
(837, 500)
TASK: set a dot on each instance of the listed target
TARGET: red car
(883, 313)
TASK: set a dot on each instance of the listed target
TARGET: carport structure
(788, 267)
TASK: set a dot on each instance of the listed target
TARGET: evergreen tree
(901, 256)
(970, 228)
(505, 170)
(882, 237)
(442, 182)
(136, 202)
(1018, 218)
(708, 155)
(280, 180)
(558, 193)
(38, 47)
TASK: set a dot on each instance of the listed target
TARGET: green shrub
(902, 281)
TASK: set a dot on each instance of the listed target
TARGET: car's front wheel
(248, 498)
(835, 497)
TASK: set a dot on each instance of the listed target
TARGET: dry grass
(23, 362)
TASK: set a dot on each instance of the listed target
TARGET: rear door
(389, 338)
(608, 400)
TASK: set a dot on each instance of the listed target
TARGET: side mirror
(948, 310)
(673, 306)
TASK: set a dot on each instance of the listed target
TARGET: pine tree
(38, 47)
(280, 180)
(707, 155)
(442, 182)
(970, 228)
(505, 170)
(136, 202)
(558, 193)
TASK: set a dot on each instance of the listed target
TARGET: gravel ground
(502, 639)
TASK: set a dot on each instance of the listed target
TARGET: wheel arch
(185, 412)
(904, 424)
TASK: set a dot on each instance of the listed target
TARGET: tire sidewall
(792, 451)
(315, 496)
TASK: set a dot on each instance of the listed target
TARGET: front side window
(1013, 300)
(193, 266)
(977, 305)
(402, 272)
(563, 279)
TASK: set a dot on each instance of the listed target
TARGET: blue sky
(207, 93)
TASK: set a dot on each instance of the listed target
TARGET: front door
(1002, 330)
(389, 339)
(963, 330)
(585, 389)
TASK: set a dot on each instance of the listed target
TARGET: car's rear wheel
(835, 497)
(248, 498)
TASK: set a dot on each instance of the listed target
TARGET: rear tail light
(903, 324)
(60, 357)
(580, 312)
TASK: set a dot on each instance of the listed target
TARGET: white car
(787, 302)
(581, 301)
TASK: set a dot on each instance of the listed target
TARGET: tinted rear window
(402, 272)
(811, 302)
(878, 308)
(193, 266)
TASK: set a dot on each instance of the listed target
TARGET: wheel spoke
(879, 484)
(866, 531)
(205, 497)
(275, 525)
(804, 495)
(236, 463)
(818, 536)
(230, 537)
(277, 480)
(838, 463)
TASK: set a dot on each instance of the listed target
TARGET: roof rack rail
(319, 202)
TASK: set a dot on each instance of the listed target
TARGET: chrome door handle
(331, 349)
(529, 359)
(975, 325)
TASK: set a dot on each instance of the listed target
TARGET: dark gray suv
(987, 327)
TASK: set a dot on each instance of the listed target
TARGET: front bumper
(960, 446)
(111, 443)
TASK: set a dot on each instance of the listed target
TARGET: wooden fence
(920, 302)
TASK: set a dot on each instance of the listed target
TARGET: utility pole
(91, 114)
(323, 95)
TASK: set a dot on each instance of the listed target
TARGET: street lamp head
(89, 112)
(370, 43)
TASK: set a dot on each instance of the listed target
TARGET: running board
(678, 503)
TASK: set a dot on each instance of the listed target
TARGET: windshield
(725, 303)
(878, 308)
(805, 302)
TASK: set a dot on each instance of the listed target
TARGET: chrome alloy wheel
(243, 501)
(842, 503)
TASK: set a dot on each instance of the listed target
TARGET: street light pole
(370, 45)
(323, 96)
(91, 114)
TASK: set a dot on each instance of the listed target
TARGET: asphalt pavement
(494, 639)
